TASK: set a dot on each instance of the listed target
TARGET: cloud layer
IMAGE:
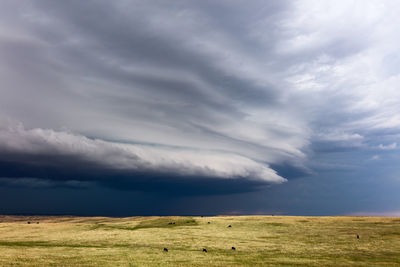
(194, 90)
(43, 148)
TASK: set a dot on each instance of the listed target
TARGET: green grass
(259, 241)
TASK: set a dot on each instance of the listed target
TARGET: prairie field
(258, 241)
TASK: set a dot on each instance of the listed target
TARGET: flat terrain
(139, 241)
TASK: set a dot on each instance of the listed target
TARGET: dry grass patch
(259, 241)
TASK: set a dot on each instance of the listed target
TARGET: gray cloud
(215, 90)
(96, 160)
(41, 183)
(150, 81)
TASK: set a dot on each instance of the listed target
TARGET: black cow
(358, 237)
(229, 225)
(233, 248)
(165, 250)
(204, 250)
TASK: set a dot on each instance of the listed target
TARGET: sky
(123, 108)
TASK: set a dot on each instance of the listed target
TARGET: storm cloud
(173, 96)
(63, 156)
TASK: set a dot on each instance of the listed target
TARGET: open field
(139, 241)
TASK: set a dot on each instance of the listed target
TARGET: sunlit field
(140, 241)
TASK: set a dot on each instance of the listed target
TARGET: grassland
(259, 241)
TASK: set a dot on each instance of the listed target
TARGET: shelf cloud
(45, 152)
(202, 97)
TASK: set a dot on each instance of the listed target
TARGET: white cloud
(339, 136)
(14, 139)
(375, 157)
(388, 147)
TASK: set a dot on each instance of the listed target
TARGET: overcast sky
(199, 107)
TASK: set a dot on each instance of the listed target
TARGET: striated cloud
(177, 95)
(64, 156)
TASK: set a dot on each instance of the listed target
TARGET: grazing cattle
(204, 250)
(208, 222)
(229, 225)
(29, 222)
(358, 237)
(165, 250)
(233, 248)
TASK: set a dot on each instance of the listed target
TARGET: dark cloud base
(60, 169)
(290, 171)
